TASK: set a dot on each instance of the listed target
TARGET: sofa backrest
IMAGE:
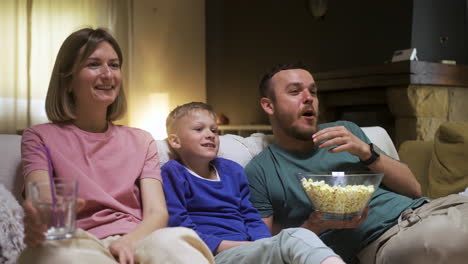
(243, 149)
(233, 147)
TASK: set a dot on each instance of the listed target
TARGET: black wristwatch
(374, 156)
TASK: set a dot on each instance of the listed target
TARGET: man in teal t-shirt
(289, 97)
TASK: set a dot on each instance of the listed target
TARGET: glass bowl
(339, 195)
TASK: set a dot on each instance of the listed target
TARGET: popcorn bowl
(339, 195)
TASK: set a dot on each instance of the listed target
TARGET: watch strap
(374, 156)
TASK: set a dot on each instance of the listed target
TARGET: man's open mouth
(308, 113)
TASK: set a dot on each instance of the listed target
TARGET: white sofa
(11, 227)
(239, 149)
(243, 149)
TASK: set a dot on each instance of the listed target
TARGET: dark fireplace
(410, 99)
(368, 115)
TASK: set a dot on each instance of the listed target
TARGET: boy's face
(196, 136)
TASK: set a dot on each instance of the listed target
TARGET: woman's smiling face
(98, 82)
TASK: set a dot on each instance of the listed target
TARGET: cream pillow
(448, 169)
(233, 147)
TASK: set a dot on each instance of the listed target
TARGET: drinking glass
(55, 202)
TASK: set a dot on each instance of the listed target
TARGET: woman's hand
(34, 229)
(155, 216)
(123, 250)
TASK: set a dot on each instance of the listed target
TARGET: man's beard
(298, 133)
(301, 135)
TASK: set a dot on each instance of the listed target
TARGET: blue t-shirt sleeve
(175, 189)
(256, 228)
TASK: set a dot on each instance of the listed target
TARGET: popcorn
(337, 199)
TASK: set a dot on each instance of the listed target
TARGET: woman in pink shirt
(122, 214)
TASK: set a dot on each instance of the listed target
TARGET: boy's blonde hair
(183, 110)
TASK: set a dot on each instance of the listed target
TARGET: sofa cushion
(243, 149)
(448, 169)
(232, 147)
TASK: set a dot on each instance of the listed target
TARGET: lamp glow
(153, 116)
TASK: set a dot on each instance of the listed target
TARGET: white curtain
(33, 31)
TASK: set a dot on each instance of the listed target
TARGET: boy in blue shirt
(211, 196)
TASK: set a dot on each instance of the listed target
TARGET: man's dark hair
(264, 86)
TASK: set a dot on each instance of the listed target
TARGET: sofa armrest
(417, 155)
(10, 164)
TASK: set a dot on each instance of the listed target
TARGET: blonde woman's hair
(60, 104)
